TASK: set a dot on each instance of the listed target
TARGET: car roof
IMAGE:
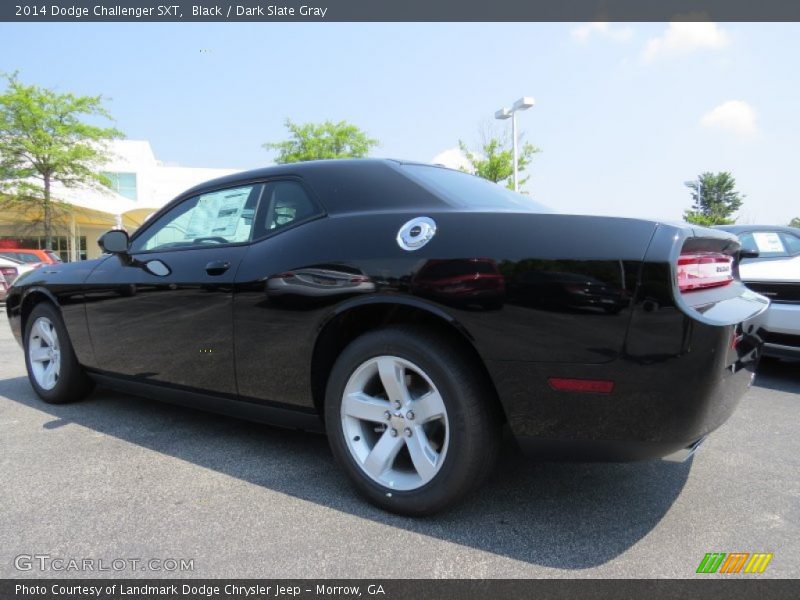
(747, 228)
(301, 169)
(344, 185)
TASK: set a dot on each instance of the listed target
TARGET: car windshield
(463, 190)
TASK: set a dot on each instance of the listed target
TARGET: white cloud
(682, 38)
(452, 158)
(582, 33)
(734, 116)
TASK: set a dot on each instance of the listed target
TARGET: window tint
(463, 190)
(791, 242)
(283, 203)
(221, 217)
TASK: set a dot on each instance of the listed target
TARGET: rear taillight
(702, 270)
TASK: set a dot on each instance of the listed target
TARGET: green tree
(44, 140)
(795, 222)
(314, 141)
(495, 161)
(714, 199)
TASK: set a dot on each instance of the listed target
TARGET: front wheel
(411, 420)
(53, 368)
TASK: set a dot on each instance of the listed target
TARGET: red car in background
(461, 281)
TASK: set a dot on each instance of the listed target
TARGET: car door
(163, 313)
(277, 288)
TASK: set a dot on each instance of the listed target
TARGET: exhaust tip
(684, 454)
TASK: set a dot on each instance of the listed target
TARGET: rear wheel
(410, 420)
(53, 369)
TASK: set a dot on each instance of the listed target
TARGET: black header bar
(399, 10)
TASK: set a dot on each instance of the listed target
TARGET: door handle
(217, 267)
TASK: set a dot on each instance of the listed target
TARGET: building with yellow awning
(141, 185)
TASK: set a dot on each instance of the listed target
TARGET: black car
(305, 295)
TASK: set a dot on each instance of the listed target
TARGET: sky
(625, 113)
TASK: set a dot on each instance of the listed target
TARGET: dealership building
(141, 184)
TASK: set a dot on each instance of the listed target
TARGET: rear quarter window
(462, 190)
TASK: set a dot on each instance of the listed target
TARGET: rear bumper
(660, 405)
(684, 454)
(606, 450)
(681, 375)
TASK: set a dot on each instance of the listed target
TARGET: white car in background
(775, 273)
(11, 269)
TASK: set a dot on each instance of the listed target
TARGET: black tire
(72, 383)
(472, 415)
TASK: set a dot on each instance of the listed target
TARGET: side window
(792, 243)
(283, 203)
(221, 217)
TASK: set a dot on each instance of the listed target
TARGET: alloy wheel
(395, 423)
(44, 353)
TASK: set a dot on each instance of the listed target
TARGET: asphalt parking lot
(116, 477)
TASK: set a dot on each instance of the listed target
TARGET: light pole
(523, 103)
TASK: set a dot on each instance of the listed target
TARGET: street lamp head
(503, 113)
(523, 103)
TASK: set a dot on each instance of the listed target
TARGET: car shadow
(561, 515)
(779, 375)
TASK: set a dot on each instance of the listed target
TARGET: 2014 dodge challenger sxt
(412, 312)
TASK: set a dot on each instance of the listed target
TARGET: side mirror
(114, 242)
(748, 252)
